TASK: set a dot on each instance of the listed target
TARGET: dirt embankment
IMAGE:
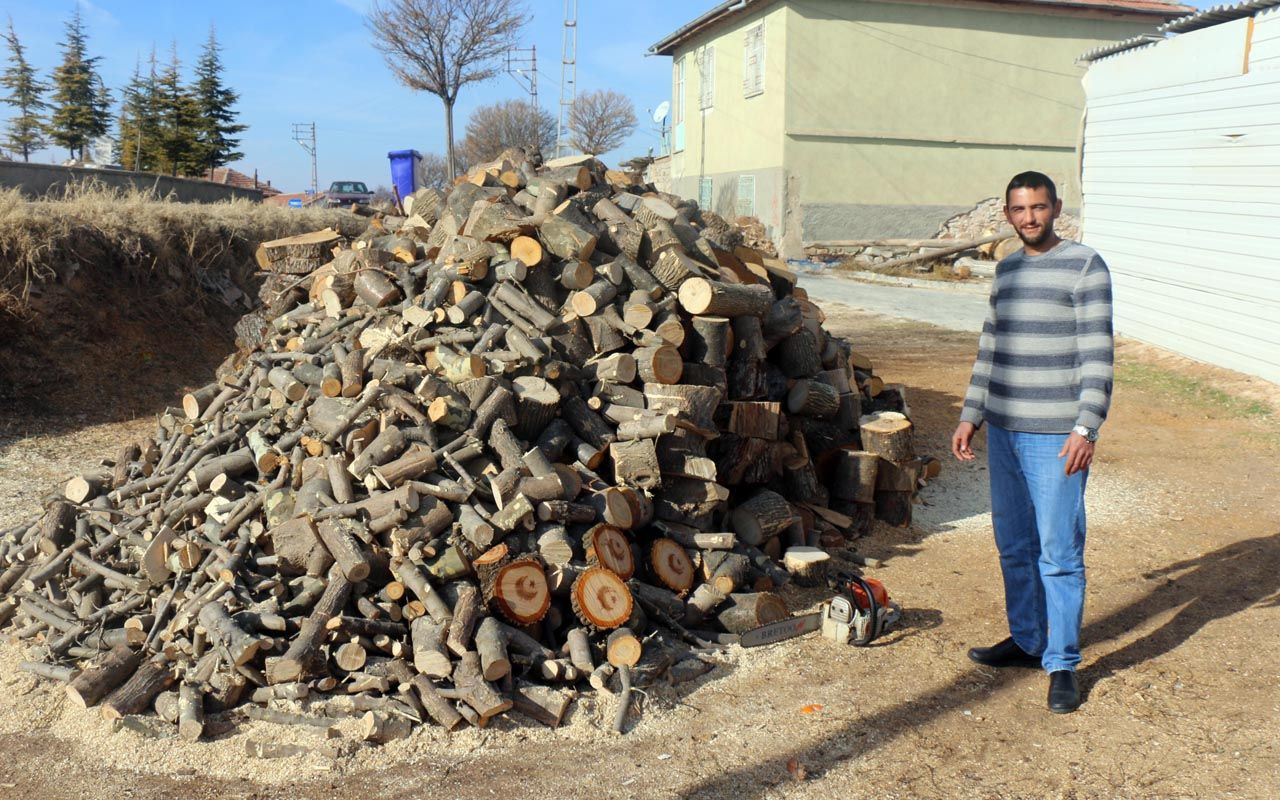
(103, 290)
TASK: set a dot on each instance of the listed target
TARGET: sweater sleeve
(1095, 347)
(975, 398)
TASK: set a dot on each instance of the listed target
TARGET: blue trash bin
(404, 170)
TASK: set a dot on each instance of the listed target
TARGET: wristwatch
(1089, 434)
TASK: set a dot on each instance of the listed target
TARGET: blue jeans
(1038, 514)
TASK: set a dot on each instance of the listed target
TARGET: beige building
(848, 119)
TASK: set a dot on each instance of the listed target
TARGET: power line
(304, 133)
(524, 69)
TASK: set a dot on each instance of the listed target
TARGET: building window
(677, 97)
(707, 78)
(704, 194)
(753, 61)
(746, 206)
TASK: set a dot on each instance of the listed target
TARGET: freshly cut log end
(609, 548)
(888, 435)
(700, 296)
(807, 565)
(518, 591)
(623, 648)
(601, 599)
(671, 565)
(527, 250)
(661, 364)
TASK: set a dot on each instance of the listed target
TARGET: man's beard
(1045, 233)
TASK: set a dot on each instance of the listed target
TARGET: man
(1042, 382)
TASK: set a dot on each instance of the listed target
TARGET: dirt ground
(1180, 659)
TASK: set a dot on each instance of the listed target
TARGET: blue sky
(295, 61)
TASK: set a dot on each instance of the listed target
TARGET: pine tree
(25, 134)
(139, 123)
(214, 100)
(81, 104)
(179, 118)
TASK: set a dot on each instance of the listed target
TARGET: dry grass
(94, 228)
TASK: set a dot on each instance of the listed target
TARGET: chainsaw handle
(873, 609)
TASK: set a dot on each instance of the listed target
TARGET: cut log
(518, 591)
(565, 239)
(661, 364)
(601, 599)
(527, 250)
(807, 565)
(853, 475)
(813, 399)
(103, 676)
(743, 611)
(341, 538)
(635, 463)
(136, 694)
(609, 548)
(888, 435)
(671, 565)
(761, 518)
(700, 296)
(710, 340)
(623, 648)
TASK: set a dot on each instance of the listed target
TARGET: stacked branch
(536, 432)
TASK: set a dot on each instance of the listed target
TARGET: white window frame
(753, 61)
(706, 192)
(707, 78)
(677, 94)
(745, 204)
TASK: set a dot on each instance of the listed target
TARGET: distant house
(1182, 187)
(845, 119)
(230, 177)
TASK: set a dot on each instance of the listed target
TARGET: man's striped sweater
(1045, 356)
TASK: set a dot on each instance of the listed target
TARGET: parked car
(347, 193)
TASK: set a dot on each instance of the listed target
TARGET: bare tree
(512, 123)
(439, 46)
(601, 121)
(435, 172)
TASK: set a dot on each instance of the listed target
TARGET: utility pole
(524, 68)
(304, 133)
(568, 75)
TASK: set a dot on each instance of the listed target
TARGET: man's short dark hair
(1032, 180)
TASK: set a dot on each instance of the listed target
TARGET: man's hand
(1079, 453)
(961, 440)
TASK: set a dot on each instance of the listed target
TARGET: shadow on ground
(1227, 581)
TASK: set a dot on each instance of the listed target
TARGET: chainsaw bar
(781, 630)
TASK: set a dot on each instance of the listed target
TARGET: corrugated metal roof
(1119, 47)
(1216, 15)
(1192, 22)
(730, 8)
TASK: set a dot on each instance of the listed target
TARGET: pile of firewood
(534, 435)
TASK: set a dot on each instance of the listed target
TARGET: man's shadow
(1217, 585)
(1234, 578)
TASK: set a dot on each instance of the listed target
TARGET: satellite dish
(660, 113)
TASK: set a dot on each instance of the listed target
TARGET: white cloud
(97, 16)
(361, 7)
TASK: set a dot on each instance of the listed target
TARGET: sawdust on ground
(1180, 653)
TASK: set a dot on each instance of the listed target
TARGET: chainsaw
(858, 614)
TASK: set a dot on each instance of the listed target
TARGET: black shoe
(1064, 691)
(1004, 654)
